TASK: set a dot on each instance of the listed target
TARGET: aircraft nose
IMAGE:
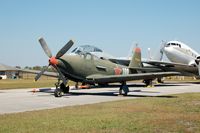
(53, 61)
(167, 49)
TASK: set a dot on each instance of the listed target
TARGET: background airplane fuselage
(180, 53)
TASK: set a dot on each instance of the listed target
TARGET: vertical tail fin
(136, 58)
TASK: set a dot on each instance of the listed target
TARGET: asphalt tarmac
(21, 100)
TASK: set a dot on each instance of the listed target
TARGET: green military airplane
(89, 69)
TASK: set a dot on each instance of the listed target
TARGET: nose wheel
(61, 89)
(58, 92)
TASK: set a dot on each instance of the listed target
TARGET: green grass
(180, 113)
(27, 83)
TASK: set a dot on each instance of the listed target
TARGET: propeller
(53, 60)
(45, 47)
(159, 55)
(163, 45)
(64, 49)
(40, 74)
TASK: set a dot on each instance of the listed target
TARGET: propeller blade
(40, 74)
(45, 47)
(64, 49)
(61, 76)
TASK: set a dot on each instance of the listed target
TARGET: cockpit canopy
(86, 49)
(173, 44)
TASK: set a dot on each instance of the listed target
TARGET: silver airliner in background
(179, 52)
(182, 57)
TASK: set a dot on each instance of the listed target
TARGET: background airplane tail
(136, 58)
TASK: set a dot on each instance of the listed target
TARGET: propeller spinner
(53, 60)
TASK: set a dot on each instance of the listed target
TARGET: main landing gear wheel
(148, 83)
(123, 89)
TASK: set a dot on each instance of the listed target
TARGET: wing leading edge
(129, 77)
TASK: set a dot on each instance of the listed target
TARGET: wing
(129, 77)
(50, 74)
(161, 63)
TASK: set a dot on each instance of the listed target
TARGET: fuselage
(180, 53)
(79, 67)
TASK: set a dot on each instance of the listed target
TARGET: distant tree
(37, 68)
(51, 69)
(27, 67)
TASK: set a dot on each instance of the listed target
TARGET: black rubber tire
(58, 93)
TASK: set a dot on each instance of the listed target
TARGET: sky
(112, 25)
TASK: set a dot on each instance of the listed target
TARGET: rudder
(136, 58)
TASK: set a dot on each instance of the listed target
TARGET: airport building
(8, 72)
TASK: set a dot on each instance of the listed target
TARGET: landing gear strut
(60, 89)
(123, 89)
(76, 85)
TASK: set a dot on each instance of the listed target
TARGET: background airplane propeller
(163, 45)
(198, 64)
(53, 59)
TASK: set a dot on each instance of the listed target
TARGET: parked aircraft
(89, 69)
(183, 58)
(179, 52)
